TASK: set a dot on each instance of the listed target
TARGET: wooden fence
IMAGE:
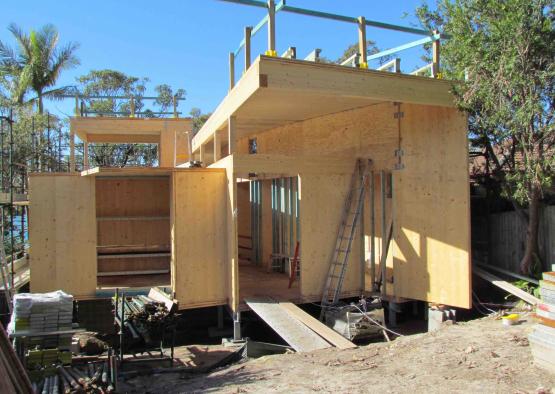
(507, 235)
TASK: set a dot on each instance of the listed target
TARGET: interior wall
(133, 220)
(199, 237)
(62, 233)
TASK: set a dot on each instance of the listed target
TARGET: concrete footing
(437, 316)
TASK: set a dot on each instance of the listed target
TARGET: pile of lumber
(144, 317)
(542, 339)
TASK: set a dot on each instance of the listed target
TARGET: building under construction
(318, 182)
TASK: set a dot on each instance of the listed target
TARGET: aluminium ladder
(340, 257)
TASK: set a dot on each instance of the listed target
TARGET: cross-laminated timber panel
(199, 237)
(325, 182)
(429, 258)
(275, 91)
(62, 233)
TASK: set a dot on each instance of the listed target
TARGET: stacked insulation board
(542, 339)
(42, 323)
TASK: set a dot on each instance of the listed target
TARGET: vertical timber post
(232, 135)
(383, 264)
(174, 99)
(248, 32)
(217, 146)
(435, 57)
(271, 28)
(231, 70)
(71, 150)
(372, 232)
(202, 153)
(362, 44)
(85, 155)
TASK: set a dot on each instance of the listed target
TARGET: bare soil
(477, 356)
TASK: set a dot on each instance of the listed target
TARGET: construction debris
(357, 321)
(86, 378)
(542, 339)
(145, 319)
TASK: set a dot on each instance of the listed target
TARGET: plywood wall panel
(62, 234)
(322, 201)
(146, 263)
(133, 196)
(144, 232)
(432, 221)
(199, 238)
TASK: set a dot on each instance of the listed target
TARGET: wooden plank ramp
(527, 297)
(296, 327)
(299, 336)
(330, 335)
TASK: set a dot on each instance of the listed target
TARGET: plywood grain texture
(431, 231)
(131, 196)
(430, 198)
(275, 92)
(199, 238)
(62, 232)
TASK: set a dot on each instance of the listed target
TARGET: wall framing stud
(232, 135)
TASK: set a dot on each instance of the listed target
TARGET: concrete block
(437, 317)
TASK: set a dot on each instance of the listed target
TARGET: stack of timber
(42, 324)
(542, 339)
(144, 317)
(92, 377)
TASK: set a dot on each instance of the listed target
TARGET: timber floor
(255, 281)
(126, 281)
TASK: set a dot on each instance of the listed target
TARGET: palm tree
(37, 63)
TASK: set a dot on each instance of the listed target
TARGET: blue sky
(186, 43)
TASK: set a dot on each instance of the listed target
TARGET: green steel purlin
(253, 3)
(351, 19)
(403, 47)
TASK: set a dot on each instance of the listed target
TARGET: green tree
(36, 63)
(115, 89)
(505, 50)
(198, 119)
(166, 96)
(353, 48)
(111, 84)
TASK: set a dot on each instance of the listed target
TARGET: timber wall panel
(62, 234)
(321, 205)
(431, 203)
(129, 233)
(145, 196)
(199, 238)
(115, 264)
(432, 208)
